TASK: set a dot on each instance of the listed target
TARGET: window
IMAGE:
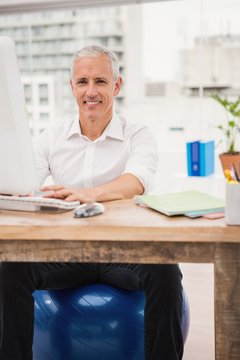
(28, 94)
(43, 94)
(44, 117)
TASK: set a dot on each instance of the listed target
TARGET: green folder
(189, 203)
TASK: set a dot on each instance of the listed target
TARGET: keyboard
(32, 203)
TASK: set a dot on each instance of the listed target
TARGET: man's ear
(72, 87)
(118, 85)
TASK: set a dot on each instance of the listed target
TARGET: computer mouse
(87, 210)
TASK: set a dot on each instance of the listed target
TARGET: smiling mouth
(92, 102)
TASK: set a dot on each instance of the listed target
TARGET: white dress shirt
(75, 161)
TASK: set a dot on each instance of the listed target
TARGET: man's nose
(91, 90)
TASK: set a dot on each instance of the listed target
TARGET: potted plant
(231, 157)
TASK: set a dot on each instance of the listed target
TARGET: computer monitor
(18, 173)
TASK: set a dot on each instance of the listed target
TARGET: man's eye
(82, 81)
(100, 81)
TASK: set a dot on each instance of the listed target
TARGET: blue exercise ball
(91, 322)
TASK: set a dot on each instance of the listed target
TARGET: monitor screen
(17, 166)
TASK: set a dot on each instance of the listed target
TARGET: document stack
(189, 203)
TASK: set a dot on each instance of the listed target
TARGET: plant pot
(230, 159)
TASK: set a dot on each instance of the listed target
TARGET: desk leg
(227, 301)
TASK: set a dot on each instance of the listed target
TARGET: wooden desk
(129, 233)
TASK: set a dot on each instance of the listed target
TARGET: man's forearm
(123, 187)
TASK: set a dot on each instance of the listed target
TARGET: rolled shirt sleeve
(143, 160)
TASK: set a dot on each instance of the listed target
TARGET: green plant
(232, 126)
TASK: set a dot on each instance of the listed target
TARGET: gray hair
(94, 51)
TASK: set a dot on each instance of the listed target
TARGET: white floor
(199, 286)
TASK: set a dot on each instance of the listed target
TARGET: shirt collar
(114, 129)
(74, 128)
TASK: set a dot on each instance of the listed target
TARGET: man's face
(94, 87)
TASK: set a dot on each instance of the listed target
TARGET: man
(99, 157)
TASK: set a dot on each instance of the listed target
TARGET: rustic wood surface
(227, 301)
(129, 233)
(122, 220)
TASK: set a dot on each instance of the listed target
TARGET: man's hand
(123, 187)
(71, 194)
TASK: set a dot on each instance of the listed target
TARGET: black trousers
(160, 283)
